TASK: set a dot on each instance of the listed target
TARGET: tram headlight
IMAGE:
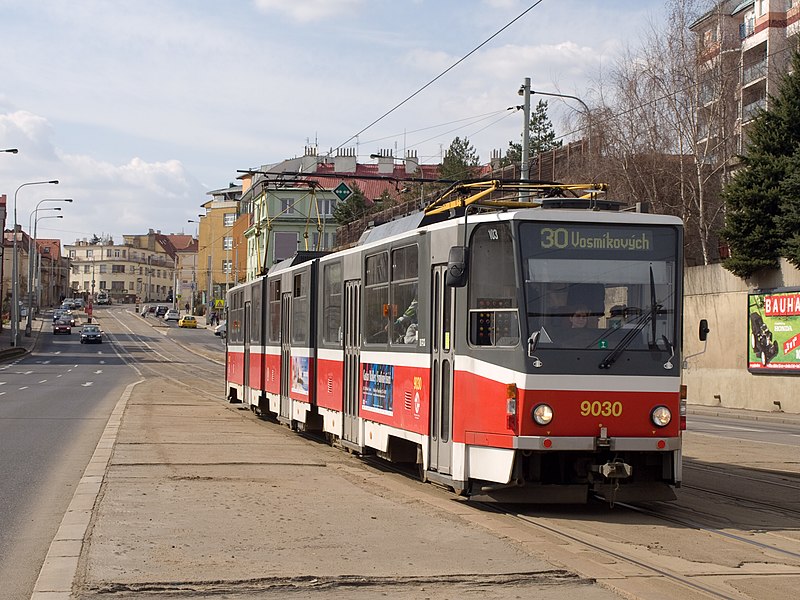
(542, 414)
(661, 416)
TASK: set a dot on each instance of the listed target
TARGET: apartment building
(141, 269)
(744, 48)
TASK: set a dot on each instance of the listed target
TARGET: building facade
(142, 269)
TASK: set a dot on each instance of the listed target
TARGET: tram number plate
(601, 409)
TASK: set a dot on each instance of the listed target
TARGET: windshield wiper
(649, 317)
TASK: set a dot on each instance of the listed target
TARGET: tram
(517, 342)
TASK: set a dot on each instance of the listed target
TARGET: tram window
(403, 322)
(376, 298)
(332, 303)
(300, 308)
(275, 311)
(255, 331)
(493, 287)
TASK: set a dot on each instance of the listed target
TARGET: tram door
(286, 358)
(352, 360)
(441, 430)
(246, 333)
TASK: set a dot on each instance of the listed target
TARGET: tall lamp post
(194, 266)
(38, 275)
(15, 267)
(10, 150)
(33, 220)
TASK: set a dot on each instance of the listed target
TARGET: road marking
(43, 381)
(2, 393)
(87, 384)
(24, 388)
(98, 371)
(3, 382)
(59, 375)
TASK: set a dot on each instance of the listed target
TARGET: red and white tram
(515, 351)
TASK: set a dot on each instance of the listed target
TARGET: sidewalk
(189, 496)
(24, 343)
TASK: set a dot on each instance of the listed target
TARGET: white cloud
(305, 11)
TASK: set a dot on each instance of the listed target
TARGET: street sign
(342, 191)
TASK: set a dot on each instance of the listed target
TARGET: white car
(172, 315)
(222, 329)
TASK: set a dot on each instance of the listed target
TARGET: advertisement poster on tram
(376, 387)
(773, 330)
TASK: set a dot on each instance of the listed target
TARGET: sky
(140, 108)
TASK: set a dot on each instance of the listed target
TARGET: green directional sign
(342, 191)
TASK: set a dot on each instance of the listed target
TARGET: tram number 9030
(601, 409)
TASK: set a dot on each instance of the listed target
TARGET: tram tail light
(511, 406)
(684, 395)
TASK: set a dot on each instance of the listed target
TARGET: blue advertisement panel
(376, 387)
(300, 374)
(773, 330)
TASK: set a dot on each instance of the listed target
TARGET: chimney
(411, 162)
(345, 161)
(385, 162)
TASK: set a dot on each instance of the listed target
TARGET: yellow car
(188, 321)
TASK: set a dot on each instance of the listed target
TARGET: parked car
(222, 329)
(188, 321)
(172, 315)
(62, 326)
(161, 310)
(91, 334)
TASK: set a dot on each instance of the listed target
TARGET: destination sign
(561, 238)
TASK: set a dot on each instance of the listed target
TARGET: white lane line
(98, 371)
(43, 381)
(87, 384)
(24, 388)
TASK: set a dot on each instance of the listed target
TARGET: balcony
(754, 72)
(749, 110)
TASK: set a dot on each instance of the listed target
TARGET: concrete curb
(61, 563)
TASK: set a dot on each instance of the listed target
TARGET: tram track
(200, 377)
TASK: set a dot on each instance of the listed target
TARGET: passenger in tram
(408, 320)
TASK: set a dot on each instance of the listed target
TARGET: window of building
(287, 206)
(117, 268)
(73, 285)
(89, 253)
(87, 268)
(72, 253)
(103, 268)
(108, 252)
(117, 286)
(76, 269)
(103, 284)
(85, 285)
(229, 219)
(46, 250)
(325, 206)
(227, 266)
(227, 243)
(285, 244)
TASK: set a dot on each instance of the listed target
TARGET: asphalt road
(54, 404)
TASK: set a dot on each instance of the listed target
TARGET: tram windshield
(611, 289)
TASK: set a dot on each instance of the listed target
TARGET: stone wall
(719, 376)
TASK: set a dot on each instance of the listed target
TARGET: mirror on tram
(704, 330)
(457, 267)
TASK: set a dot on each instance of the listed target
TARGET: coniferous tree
(541, 135)
(352, 209)
(460, 162)
(763, 199)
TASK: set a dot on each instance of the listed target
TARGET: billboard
(773, 332)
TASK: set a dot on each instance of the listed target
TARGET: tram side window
(275, 311)
(255, 315)
(332, 303)
(376, 298)
(300, 308)
(405, 267)
(493, 311)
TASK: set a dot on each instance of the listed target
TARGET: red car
(62, 326)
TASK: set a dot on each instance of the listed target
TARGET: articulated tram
(514, 350)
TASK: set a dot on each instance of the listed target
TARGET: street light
(10, 150)
(32, 251)
(15, 268)
(194, 266)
